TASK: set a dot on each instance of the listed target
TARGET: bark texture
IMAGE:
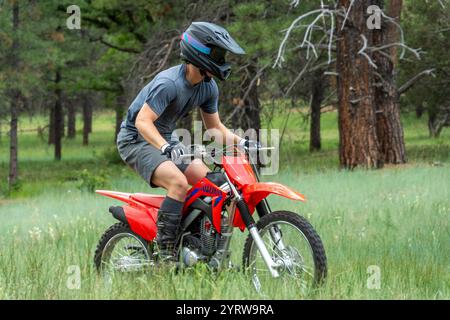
(389, 127)
(357, 121)
(87, 119)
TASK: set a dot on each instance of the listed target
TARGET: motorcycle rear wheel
(300, 253)
(122, 250)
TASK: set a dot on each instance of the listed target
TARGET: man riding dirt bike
(145, 141)
(194, 224)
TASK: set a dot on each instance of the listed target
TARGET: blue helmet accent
(196, 44)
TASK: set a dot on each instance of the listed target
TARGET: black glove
(174, 150)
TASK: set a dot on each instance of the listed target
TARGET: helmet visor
(217, 54)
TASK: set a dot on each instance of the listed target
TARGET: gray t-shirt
(171, 96)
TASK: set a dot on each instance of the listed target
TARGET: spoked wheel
(121, 250)
(295, 247)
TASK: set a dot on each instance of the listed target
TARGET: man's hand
(174, 150)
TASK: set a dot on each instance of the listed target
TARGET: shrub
(111, 155)
(88, 181)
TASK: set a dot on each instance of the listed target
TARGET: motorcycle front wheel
(298, 250)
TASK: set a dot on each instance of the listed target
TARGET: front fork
(253, 229)
(263, 209)
(251, 226)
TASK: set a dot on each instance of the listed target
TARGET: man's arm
(218, 129)
(145, 124)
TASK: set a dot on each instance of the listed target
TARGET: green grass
(396, 219)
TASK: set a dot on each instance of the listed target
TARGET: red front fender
(255, 192)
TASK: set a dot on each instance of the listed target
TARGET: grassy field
(396, 219)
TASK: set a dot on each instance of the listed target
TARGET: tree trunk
(59, 127)
(71, 121)
(87, 118)
(248, 117)
(13, 149)
(51, 126)
(63, 122)
(317, 96)
(395, 10)
(15, 97)
(420, 109)
(358, 144)
(389, 127)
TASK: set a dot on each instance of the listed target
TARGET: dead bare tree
(369, 118)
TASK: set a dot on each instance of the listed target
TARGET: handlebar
(203, 152)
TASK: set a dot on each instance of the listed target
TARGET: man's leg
(168, 176)
(196, 171)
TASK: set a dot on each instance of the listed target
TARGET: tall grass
(397, 220)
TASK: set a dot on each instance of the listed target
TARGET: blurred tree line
(47, 68)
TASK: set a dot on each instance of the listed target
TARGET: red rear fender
(140, 213)
(142, 222)
(140, 200)
(153, 200)
(121, 196)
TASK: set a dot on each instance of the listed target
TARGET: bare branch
(363, 52)
(163, 62)
(299, 76)
(346, 14)
(279, 59)
(253, 81)
(413, 80)
(416, 52)
(440, 2)
(399, 27)
(331, 37)
(295, 3)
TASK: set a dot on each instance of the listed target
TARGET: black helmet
(205, 44)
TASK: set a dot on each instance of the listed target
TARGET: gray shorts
(141, 156)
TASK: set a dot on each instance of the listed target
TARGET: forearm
(150, 133)
(229, 137)
(217, 130)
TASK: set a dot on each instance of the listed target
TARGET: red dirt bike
(281, 246)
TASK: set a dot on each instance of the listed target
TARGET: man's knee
(179, 184)
(196, 171)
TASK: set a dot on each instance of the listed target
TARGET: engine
(200, 245)
(207, 237)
